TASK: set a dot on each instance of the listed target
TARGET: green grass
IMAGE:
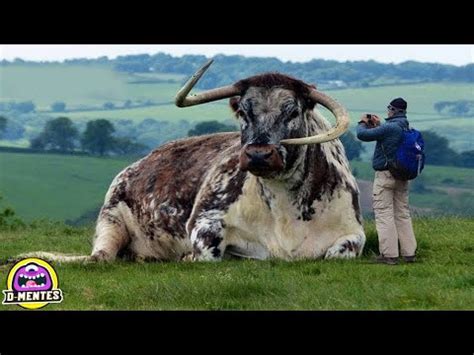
(58, 187)
(442, 279)
(168, 112)
(78, 85)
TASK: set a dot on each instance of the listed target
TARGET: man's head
(397, 106)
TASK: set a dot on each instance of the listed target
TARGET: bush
(8, 219)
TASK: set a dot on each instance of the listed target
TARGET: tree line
(98, 138)
(230, 68)
(61, 135)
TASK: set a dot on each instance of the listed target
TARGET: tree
(97, 138)
(125, 146)
(352, 146)
(437, 150)
(58, 106)
(37, 142)
(466, 159)
(109, 105)
(59, 134)
(207, 127)
(3, 125)
(25, 107)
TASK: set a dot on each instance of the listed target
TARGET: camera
(371, 121)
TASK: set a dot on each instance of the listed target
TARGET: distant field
(442, 279)
(92, 86)
(78, 85)
(211, 111)
(55, 187)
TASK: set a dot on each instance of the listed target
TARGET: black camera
(370, 121)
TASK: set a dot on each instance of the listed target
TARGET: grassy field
(57, 187)
(77, 85)
(442, 279)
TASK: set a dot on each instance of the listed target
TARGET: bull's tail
(54, 257)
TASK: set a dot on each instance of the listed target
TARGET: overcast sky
(447, 54)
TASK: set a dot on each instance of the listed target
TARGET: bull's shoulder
(177, 168)
(184, 159)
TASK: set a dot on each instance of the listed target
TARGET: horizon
(458, 55)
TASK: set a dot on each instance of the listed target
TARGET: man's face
(391, 110)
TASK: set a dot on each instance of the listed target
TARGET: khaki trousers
(392, 216)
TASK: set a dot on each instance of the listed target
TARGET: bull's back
(160, 189)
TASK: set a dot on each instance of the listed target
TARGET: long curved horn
(342, 121)
(182, 99)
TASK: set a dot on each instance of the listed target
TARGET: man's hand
(376, 120)
(363, 118)
(370, 120)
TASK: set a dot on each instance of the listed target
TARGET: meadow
(442, 279)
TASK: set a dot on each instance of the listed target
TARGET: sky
(445, 54)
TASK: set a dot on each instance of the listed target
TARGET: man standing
(390, 196)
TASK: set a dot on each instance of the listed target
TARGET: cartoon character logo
(32, 283)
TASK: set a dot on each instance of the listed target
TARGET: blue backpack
(410, 156)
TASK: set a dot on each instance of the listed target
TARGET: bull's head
(272, 111)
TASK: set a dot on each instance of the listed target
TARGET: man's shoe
(385, 260)
(409, 259)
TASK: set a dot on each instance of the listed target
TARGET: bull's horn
(182, 99)
(342, 121)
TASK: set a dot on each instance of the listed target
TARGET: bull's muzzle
(260, 159)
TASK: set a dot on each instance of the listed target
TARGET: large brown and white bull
(279, 188)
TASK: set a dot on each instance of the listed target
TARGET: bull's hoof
(189, 257)
(101, 256)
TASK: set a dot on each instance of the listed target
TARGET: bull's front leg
(208, 237)
(347, 247)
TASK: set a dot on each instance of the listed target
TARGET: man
(390, 196)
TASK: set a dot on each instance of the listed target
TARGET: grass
(55, 186)
(77, 85)
(442, 279)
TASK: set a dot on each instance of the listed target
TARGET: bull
(280, 188)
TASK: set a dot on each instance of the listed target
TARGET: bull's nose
(256, 155)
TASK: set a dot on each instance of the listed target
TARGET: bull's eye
(294, 114)
(242, 115)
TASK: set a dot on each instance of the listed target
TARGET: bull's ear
(234, 103)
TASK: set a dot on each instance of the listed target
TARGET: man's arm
(370, 134)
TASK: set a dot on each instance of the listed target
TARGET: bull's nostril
(258, 155)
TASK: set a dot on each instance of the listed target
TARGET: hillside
(85, 90)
